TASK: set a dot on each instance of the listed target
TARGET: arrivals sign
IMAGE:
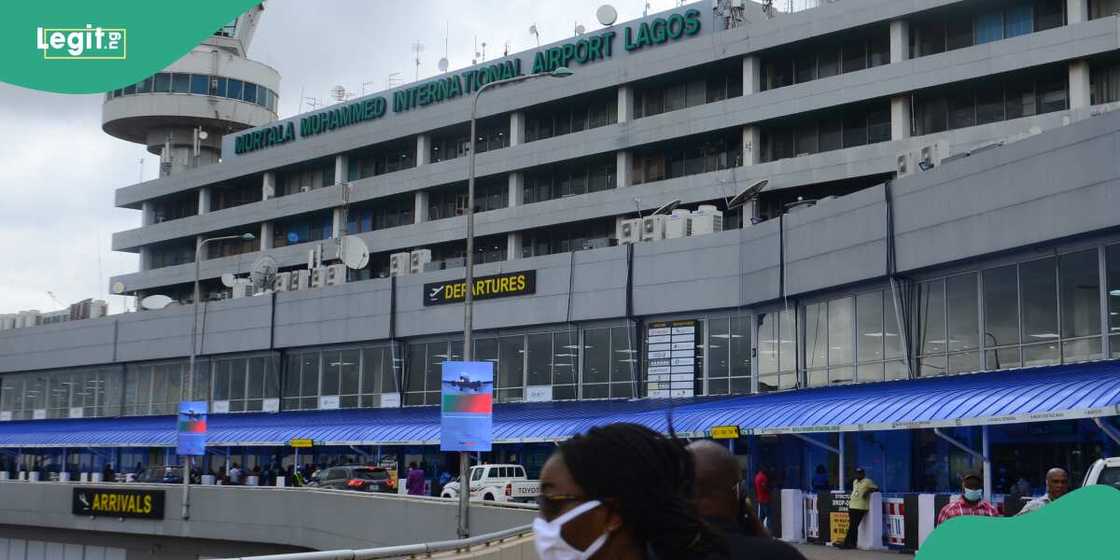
(586, 49)
(192, 429)
(467, 406)
(98, 502)
(725, 432)
(485, 287)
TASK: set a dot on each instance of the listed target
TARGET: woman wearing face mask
(621, 492)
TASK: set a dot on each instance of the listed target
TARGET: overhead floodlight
(748, 194)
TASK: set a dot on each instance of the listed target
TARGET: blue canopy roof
(1027, 395)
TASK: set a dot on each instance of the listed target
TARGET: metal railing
(424, 549)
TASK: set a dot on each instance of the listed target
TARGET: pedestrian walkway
(821, 552)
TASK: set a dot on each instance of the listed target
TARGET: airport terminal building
(934, 260)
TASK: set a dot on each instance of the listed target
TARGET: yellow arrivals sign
(724, 432)
(301, 443)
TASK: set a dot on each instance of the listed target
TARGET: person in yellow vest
(858, 505)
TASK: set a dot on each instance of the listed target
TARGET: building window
(303, 229)
(492, 134)
(688, 88)
(829, 56)
(592, 234)
(307, 177)
(245, 190)
(825, 131)
(610, 363)
(380, 214)
(777, 350)
(381, 159)
(175, 207)
(243, 384)
(728, 355)
(172, 254)
(990, 100)
(878, 343)
(593, 110)
(231, 247)
(153, 389)
(690, 156)
(1113, 261)
(203, 84)
(1080, 303)
(1103, 8)
(490, 193)
(571, 178)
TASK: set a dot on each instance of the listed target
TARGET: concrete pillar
(516, 128)
(423, 149)
(513, 245)
(203, 200)
(1079, 88)
(900, 117)
(341, 167)
(793, 515)
(623, 162)
(752, 145)
(752, 75)
(871, 528)
(338, 222)
(1077, 11)
(266, 236)
(625, 104)
(420, 212)
(145, 258)
(516, 189)
(268, 185)
(147, 213)
(900, 41)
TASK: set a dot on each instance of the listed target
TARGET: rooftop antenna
(364, 84)
(607, 15)
(476, 53)
(417, 48)
(579, 29)
(645, 12)
(443, 62)
(50, 293)
(536, 33)
(506, 51)
(484, 51)
(392, 80)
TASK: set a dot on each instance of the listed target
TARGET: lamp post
(468, 308)
(188, 389)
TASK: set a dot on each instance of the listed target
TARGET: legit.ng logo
(88, 43)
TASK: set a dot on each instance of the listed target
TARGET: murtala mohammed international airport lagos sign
(585, 50)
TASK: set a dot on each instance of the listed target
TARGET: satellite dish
(228, 279)
(533, 29)
(263, 273)
(202, 135)
(118, 287)
(747, 194)
(354, 252)
(580, 29)
(668, 208)
(443, 64)
(158, 301)
(607, 14)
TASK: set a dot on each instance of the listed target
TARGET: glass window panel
(332, 365)
(1018, 20)
(816, 335)
(719, 347)
(1040, 354)
(840, 332)
(233, 88)
(931, 317)
(855, 55)
(879, 48)
(291, 375)
(828, 61)
(806, 67)
(892, 340)
(237, 379)
(1052, 95)
(200, 84)
(596, 356)
(511, 365)
(989, 27)
(895, 370)
(221, 380)
(958, 32)
(878, 125)
(963, 308)
(855, 129)
(1020, 99)
(741, 351)
(1039, 301)
(788, 349)
(309, 380)
(1112, 259)
(964, 363)
(870, 373)
(1050, 14)
(989, 103)
(180, 83)
(625, 357)
(933, 114)
(565, 356)
(831, 134)
(1082, 350)
(817, 377)
(271, 378)
(962, 109)
(930, 366)
(257, 370)
(162, 83)
(596, 391)
(1081, 294)
(349, 371)
(145, 85)
(540, 357)
(217, 86)
(372, 362)
(721, 387)
(767, 342)
(841, 375)
(869, 312)
(1003, 358)
(806, 139)
(1114, 345)
(249, 93)
(1001, 307)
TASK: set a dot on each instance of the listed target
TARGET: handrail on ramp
(403, 550)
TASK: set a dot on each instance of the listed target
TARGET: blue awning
(1027, 395)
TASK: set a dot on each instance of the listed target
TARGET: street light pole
(468, 308)
(188, 389)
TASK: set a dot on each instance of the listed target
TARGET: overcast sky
(58, 170)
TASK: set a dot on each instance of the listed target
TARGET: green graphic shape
(1082, 524)
(148, 37)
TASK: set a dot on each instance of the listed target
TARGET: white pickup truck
(497, 483)
(1104, 471)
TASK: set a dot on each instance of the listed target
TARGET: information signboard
(467, 406)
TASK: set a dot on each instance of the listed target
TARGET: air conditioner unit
(628, 232)
(653, 228)
(242, 287)
(400, 264)
(318, 277)
(706, 219)
(904, 165)
(676, 225)
(281, 281)
(335, 275)
(932, 155)
(418, 259)
(301, 279)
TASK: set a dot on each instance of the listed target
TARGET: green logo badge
(88, 43)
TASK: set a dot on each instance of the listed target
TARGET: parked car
(167, 474)
(354, 477)
(1104, 471)
(497, 483)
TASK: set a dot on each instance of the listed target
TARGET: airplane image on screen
(464, 383)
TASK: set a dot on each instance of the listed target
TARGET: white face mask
(551, 546)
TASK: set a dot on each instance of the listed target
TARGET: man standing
(972, 501)
(415, 480)
(762, 496)
(858, 505)
(1057, 484)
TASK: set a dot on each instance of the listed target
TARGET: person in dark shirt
(717, 493)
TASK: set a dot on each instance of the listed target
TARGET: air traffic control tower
(182, 112)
